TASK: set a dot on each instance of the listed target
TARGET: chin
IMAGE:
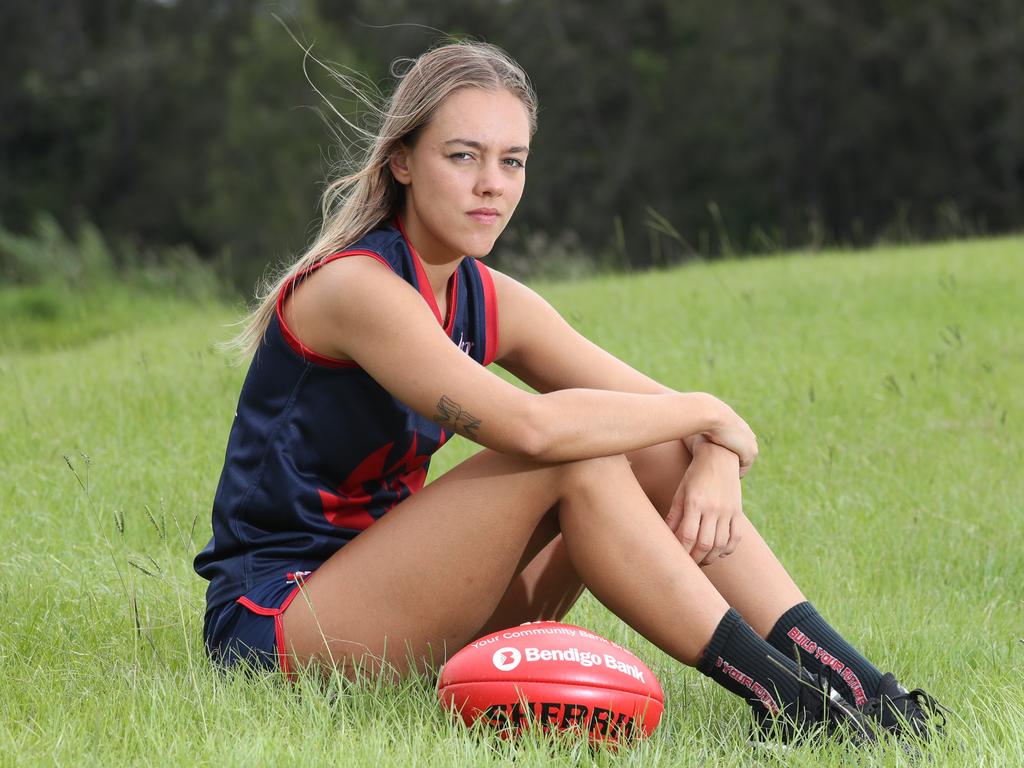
(477, 248)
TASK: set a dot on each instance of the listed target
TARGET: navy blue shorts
(250, 629)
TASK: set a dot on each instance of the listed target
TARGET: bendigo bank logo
(506, 659)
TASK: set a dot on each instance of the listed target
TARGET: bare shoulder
(511, 291)
(359, 310)
(340, 277)
(331, 298)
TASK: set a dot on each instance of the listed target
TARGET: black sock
(737, 658)
(822, 649)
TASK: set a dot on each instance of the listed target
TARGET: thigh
(421, 580)
(546, 586)
(752, 579)
(659, 469)
(543, 588)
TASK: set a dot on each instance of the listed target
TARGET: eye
(514, 162)
(461, 156)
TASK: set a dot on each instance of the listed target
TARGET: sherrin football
(553, 676)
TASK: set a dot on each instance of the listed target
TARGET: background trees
(667, 129)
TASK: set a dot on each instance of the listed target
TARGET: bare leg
(754, 582)
(422, 581)
(545, 585)
(752, 579)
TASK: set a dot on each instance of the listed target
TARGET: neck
(438, 262)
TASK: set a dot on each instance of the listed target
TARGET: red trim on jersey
(490, 312)
(259, 609)
(453, 297)
(282, 651)
(423, 284)
(276, 613)
(294, 341)
(282, 654)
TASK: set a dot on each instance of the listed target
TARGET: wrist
(694, 444)
(714, 415)
(702, 448)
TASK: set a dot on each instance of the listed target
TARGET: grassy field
(887, 388)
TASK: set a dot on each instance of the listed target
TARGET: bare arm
(355, 307)
(541, 348)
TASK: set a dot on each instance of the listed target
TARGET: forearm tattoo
(451, 416)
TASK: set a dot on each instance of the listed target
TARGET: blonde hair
(356, 202)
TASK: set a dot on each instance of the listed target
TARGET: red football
(555, 676)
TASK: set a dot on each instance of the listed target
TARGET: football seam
(660, 700)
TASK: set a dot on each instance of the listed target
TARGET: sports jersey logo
(375, 485)
(464, 345)
(506, 659)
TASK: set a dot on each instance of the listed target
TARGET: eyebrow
(482, 147)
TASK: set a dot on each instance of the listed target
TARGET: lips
(484, 215)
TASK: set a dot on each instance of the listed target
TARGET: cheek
(450, 186)
(440, 187)
(514, 191)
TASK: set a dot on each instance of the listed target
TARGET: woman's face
(465, 174)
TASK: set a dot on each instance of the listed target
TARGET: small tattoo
(470, 426)
(451, 415)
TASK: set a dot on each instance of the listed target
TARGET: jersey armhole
(294, 341)
(490, 313)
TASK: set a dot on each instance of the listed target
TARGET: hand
(734, 433)
(706, 503)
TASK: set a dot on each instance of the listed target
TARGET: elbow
(533, 435)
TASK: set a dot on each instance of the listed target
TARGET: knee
(586, 475)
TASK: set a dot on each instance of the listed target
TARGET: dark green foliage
(667, 129)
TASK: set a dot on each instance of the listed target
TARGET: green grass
(885, 387)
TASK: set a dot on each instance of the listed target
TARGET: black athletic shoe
(819, 711)
(902, 712)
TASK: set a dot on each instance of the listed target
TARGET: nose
(489, 181)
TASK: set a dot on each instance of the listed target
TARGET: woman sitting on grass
(370, 352)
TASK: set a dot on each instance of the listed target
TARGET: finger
(721, 539)
(747, 461)
(746, 465)
(689, 527)
(675, 514)
(734, 539)
(705, 538)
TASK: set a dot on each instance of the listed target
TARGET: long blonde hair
(356, 202)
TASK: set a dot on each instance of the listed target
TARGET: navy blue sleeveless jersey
(319, 450)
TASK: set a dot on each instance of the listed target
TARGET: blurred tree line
(667, 129)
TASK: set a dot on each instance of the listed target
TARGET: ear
(398, 162)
